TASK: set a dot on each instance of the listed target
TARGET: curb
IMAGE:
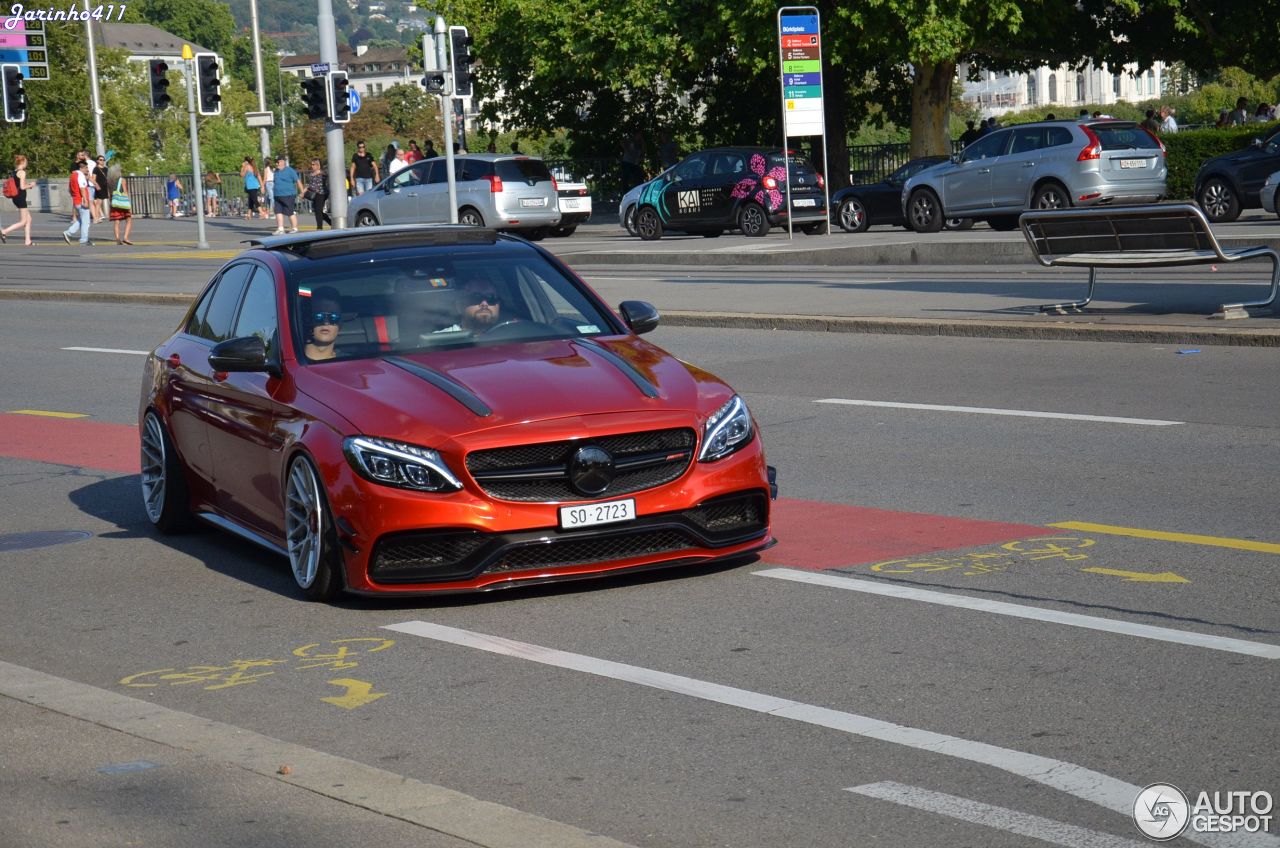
(1081, 330)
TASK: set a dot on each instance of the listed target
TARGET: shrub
(1190, 149)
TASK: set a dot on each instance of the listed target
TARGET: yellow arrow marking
(358, 694)
(1190, 538)
(1140, 576)
(47, 414)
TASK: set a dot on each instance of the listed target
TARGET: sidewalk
(975, 282)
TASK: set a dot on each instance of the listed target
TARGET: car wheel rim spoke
(302, 524)
(153, 471)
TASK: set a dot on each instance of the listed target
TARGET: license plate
(1133, 163)
(589, 515)
(533, 201)
(808, 201)
(570, 203)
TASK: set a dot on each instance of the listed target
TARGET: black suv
(727, 188)
(1231, 182)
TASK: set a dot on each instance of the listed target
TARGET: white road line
(386, 793)
(1001, 818)
(1021, 413)
(1088, 785)
(108, 350)
(1144, 631)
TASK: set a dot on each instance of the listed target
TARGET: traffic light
(160, 98)
(208, 79)
(434, 82)
(313, 96)
(339, 97)
(461, 60)
(15, 97)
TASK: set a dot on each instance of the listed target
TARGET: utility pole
(264, 134)
(446, 110)
(333, 132)
(197, 182)
(93, 83)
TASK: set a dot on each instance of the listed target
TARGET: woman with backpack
(121, 205)
(252, 185)
(16, 187)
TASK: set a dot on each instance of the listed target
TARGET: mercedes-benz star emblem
(591, 470)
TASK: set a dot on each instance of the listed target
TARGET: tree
(203, 22)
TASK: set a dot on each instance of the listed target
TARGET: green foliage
(1189, 150)
(206, 23)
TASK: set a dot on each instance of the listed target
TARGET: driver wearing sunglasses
(324, 315)
(479, 307)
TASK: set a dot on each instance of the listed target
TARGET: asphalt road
(784, 702)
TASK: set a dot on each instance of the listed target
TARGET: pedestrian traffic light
(160, 98)
(339, 94)
(434, 82)
(208, 79)
(461, 60)
(15, 97)
(314, 96)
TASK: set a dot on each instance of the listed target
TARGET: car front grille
(541, 472)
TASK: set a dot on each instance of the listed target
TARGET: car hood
(1233, 157)
(431, 398)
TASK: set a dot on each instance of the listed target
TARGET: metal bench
(1158, 236)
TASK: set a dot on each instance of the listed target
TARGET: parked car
(860, 206)
(420, 409)
(501, 190)
(1232, 182)
(1042, 165)
(575, 206)
(1271, 193)
(726, 188)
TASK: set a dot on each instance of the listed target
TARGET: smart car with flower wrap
(728, 188)
(421, 409)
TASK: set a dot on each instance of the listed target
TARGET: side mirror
(244, 354)
(640, 316)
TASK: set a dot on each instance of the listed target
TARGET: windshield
(416, 301)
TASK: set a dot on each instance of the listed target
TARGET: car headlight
(400, 465)
(726, 431)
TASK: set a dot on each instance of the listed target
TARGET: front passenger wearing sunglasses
(324, 314)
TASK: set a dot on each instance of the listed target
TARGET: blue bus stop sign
(353, 97)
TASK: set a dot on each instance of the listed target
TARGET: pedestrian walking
(1168, 123)
(212, 181)
(269, 186)
(318, 193)
(397, 162)
(173, 194)
(389, 156)
(121, 205)
(363, 172)
(82, 197)
(414, 153)
(633, 160)
(1240, 115)
(429, 152)
(99, 173)
(252, 185)
(515, 148)
(1150, 123)
(287, 185)
(16, 188)
(970, 134)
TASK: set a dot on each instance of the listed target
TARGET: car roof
(324, 244)
(490, 157)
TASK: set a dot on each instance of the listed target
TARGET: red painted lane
(812, 534)
(818, 535)
(70, 441)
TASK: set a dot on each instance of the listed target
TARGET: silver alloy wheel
(1216, 198)
(471, 218)
(153, 468)
(752, 221)
(303, 523)
(853, 215)
(366, 219)
(923, 210)
(1052, 197)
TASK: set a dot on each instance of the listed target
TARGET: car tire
(164, 484)
(753, 221)
(1277, 203)
(536, 234)
(959, 224)
(629, 221)
(312, 542)
(648, 224)
(1003, 223)
(852, 215)
(925, 211)
(1051, 196)
(1219, 200)
(713, 234)
(470, 216)
(814, 229)
(365, 218)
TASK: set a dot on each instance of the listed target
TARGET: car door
(967, 184)
(1012, 174)
(433, 197)
(399, 203)
(190, 380)
(244, 435)
(1255, 169)
(724, 171)
(683, 194)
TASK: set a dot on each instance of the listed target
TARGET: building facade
(1060, 88)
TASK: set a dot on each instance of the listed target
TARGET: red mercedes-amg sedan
(411, 410)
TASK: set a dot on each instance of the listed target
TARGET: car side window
(411, 176)
(258, 312)
(987, 147)
(215, 323)
(1027, 139)
(692, 168)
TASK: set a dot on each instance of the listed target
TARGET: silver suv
(502, 191)
(1045, 165)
